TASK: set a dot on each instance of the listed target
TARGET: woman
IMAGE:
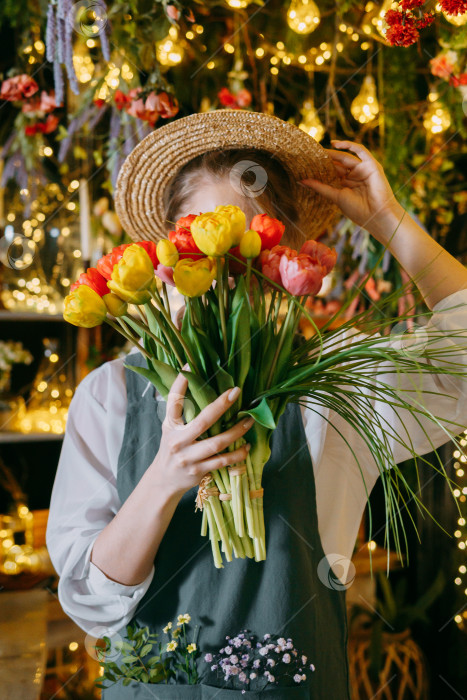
(122, 531)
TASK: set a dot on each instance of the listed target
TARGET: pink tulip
(320, 253)
(301, 275)
(166, 274)
(269, 261)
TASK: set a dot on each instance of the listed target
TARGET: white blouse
(85, 499)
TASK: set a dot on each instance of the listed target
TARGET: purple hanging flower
(60, 39)
(58, 83)
(51, 33)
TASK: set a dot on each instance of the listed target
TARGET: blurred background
(81, 84)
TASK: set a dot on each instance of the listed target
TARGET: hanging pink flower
(226, 98)
(173, 12)
(443, 65)
(18, 87)
(243, 98)
(457, 80)
(301, 275)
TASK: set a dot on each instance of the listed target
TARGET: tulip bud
(194, 277)
(250, 244)
(84, 307)
(115, 305)
(167, 253)
(237, 220)
(212, 233)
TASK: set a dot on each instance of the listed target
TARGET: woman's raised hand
(182, 459)
(366, 196)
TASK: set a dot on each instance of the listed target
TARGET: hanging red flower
(454, 7)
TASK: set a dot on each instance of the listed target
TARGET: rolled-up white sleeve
(443, 396)
(85, 499)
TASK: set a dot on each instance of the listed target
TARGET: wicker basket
(403, 675)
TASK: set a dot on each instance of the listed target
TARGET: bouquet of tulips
(236, 281)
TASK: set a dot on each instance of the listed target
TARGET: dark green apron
(282, 595)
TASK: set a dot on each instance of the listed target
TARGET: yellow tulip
(212, 233)
(194, 277)
(133, 275)
(115, 305)
(250, 244)
(134, 271)
(167, 252)
(237, 220)
(84, 307)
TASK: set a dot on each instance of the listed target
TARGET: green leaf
(146, 649)
(261, 413)
(127, 681)
(152, 376)
(129, 659)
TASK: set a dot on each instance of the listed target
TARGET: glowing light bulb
(310, 122)
(303, 16)
(436, 118)
(168, 51)
(238, 4)
(365, 107)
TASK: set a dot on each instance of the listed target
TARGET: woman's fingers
(203, 449)
(348, 160)
(226, 459)
(362, 152)
(331, 193)
(209, 415)
(176, 398)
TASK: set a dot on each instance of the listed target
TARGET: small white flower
(286, 658)
(253, 675)
(304, 659)
(228, 650)
(234, 659)
(271, 662)
(312, 667)
(242, 677)
(297, 678)
(263, 651)
(304, 677)
(208, 657)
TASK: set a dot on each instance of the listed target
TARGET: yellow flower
(250, 244)
(183, 618)
(191, 648)
(171, 646)
(133, 275)
(84, 307)
(194, 277)
(115, 305)
(237, 220)
(167, 252)
(176, 632)
(167, 627)
(212, 233)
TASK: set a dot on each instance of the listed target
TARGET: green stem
(158, 300)
(166, 296)
(248, 276)
(129, 337)
(273, 297)
(277, 307)
(282, 335)
(158, 340)
(220, 297)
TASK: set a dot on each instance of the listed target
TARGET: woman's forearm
(435, 271)
(125, 549)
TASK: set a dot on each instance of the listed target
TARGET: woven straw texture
(150, 167)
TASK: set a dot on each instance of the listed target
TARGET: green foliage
(144, 659)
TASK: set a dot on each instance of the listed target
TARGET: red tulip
(92, 278)
(301, 274)
(234, 265)
(321, 254)
(106, 264)
(150, 248)
(183, 240)
(269, 261)
(269, 229)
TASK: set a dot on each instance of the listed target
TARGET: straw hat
(151, 166)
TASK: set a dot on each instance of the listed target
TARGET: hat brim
(150, 167)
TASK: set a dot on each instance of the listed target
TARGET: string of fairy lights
(460, 465)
